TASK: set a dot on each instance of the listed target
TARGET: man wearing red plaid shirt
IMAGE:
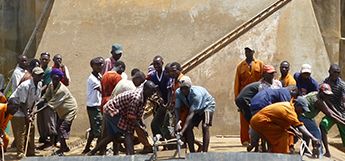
(123, 113)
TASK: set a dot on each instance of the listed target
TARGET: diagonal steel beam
(233, 35)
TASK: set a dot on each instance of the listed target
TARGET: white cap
(185, 81)
(306, 68)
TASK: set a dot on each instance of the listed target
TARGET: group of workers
(116, 105)
(278, 111)
(272, 111)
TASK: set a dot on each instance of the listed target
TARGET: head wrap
(58, 72)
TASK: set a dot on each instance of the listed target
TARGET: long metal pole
(342, 39)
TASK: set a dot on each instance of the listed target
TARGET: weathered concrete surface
(80, 30)
(328, 16)
(190, 157)
(286, 35)
(91, 158)
(219, 146)
(174, 29)
(228, 147)
(18, 19)
(225, 156)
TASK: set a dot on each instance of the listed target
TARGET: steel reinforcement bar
(233, 35)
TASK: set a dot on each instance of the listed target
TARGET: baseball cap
(37, 70)
(326, 89)
(306, 68)
(248, 49)
(185, 81)
(301, 101)
(117, 48)
(269, 69)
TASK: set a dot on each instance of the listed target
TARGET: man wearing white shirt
(94, 98)
(28, 93)
(17, 75)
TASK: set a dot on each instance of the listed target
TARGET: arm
(188, 121)
(178, 104)
(332, 108)
(304, 130)
(41, 105)
(67, 74)
(328, 112)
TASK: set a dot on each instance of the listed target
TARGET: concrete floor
(218, 144)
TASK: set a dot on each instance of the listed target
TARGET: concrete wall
(175, 29)
(80, 30)
(286, 35)
(18, 19)
(328, 16)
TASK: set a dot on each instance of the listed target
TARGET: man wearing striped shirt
(337, 99)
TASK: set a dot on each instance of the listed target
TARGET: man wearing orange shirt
(108, 83)
(6, 113)
(273, 122)
(286, 78)
(248, 71)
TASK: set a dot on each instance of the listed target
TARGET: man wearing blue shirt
(267, 97)
(243, 100)
(304, 82)
(201, 107)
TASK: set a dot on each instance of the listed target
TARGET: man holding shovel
(28, 93)
(60, 99)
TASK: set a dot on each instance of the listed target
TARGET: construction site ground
(218, 144)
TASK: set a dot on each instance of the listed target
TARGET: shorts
(111, 125)
(95, 118)
(206, 117)
(327, 123)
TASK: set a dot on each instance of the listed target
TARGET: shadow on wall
(18, 19)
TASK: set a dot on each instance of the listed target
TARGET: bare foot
(327, 154)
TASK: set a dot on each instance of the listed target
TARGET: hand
(29, 118)
(316, 142)
(178, 126)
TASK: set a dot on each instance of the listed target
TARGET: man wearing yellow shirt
(248, 71)
(286, 78)
(6, 113)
